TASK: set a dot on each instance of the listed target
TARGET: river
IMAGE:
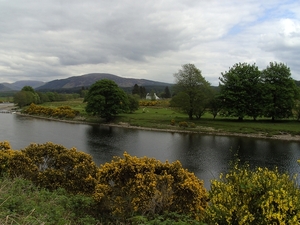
(205, 155)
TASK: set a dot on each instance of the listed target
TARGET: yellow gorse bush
(51, 166)
(144, 186)
(61, 167)
(60, 112)
(260, 196)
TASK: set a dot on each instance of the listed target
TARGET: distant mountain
(89, 79)
(4, 88)
(18, 85)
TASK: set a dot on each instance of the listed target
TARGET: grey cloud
(52, 38)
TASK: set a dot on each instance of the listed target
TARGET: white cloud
(51, 39)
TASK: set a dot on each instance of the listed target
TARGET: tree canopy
(241, 91)
(247, 91)
(26, 96)
(280, 91)
(192, 91)
(106, 99)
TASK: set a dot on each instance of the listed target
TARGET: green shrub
(173, 122)
(145, 186)
(192, 125)
(21, 202)
(165, 219)
(261, 196)
(183, 124)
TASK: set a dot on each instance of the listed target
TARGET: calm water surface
(205, 155)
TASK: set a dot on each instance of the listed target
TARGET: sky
(151, 39)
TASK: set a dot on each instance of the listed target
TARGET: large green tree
(106, 99)
(241, 91)
(26, 96)
(280, 91)
(192, 91)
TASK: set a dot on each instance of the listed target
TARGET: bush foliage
(51, 166)
(59, 112)
(21, 202)
(145, 186)
(261, 196)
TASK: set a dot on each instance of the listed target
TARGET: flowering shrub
(192, 125)
(183, 124)
(15, 163)
(60, 112)
(61, 167)
(51, 166)
(161, 103)
(148, 103)
(144, 186)
(173, 122)
(261, 196)
(4, 145)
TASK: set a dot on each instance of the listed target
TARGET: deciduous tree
(106, 99)
(26, 96)
(241, 91)
(192, 91)
(280, 91)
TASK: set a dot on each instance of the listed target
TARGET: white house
(148, 96)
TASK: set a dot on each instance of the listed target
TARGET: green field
(160, 117)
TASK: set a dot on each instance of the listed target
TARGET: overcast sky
(53, 39)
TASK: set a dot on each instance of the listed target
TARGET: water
(205, 155)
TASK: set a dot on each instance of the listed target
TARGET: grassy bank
(164, 117)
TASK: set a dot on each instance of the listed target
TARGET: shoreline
(282, 137)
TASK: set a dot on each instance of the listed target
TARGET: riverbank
(175, 129)
(7, 106)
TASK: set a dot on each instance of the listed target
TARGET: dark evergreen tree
(167, 93)
(136, 90)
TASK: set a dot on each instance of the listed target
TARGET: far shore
(284, 137)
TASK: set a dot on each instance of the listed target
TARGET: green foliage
(24, 98)
(193, 91)
(28, 88)
(183, 124)
(296, 110)
(173, 122)
(261, 196)
(106, 99)
(280, 91)
(167, 218)
(241, 91)
(215, 104)
(21, 202)
(246, 91)
(145, 186)
(133, 103)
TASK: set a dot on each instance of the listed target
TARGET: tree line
(244, 91)
(28, 95)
